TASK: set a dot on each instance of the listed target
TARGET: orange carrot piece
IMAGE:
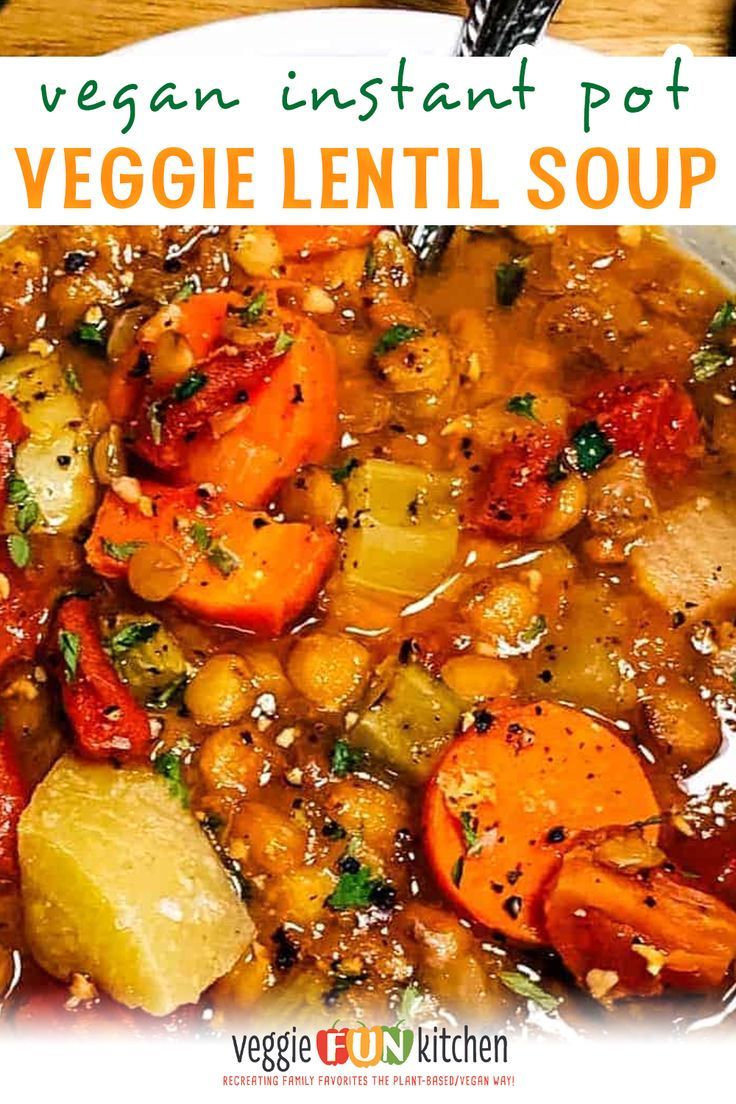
(292, 420)
(509, 793)
(299, 241)
(244, 570)
(199, 319)
(644, 929)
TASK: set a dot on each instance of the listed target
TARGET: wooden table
(94, 26)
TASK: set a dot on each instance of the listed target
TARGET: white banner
(368, 140)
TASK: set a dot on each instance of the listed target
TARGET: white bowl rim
(320, 31)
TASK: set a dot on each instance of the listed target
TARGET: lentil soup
(368, 637)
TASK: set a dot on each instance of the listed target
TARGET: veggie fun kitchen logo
(365, 1047)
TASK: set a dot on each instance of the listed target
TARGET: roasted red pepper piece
(516, 491)
(654, 420)
(225, 381)
(24, 612)
(13, 797)
(108, 722)
(12, 432)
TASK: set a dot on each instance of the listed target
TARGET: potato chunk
(119, 883)
(687, 559)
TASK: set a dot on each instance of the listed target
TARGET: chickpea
(312, 495)
(256, 249)
(275, 844)
(568, 508)
(156, 571)
(681, 725)
(172, 359)
(232, 760)
(366, 810)
(108, 456)
(299, 897)
(473, 676)
(501, 610)
(422, 363)
(329, 670)
(221, 692)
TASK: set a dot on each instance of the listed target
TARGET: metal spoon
(492, 28)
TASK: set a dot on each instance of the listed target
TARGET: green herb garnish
(709, 361)
(510, 279)
(536, 628)
(456, 874)
(283, 343)
(92, 333)
(72, 379)
(70, 646)
(163, 698)
(169, 765)
(339, 475)
(253, 311)
(199, 533)
(591, 447)
(19, 494)
(186, 291)
(222, 559)
(19, 549)
(470, 830)
(523, 405)
(137, 632)
(120, 552)
(353, 891)
(395, 336)
(345, 758)
(724, 317)
(523, 986)
(188, 387)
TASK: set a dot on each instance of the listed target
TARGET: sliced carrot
(507, 797)
(637, 930)
(244, 570)
(199, 319)
(291, 421)
(298, 241)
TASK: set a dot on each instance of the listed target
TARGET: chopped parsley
(137, 632)
(92, 333)
(122, 551)
(70, 646)
(510, 279)
(355, 890)
(19, 549)
(186, 291)
(72, 379)
(339, 475)
(19, 494)
(169, 765)
(345, 758)
(188, 387)
(536, 628)
(199, 533)
(252, 312)
(591, 447)
(163, 698)
(523, 405)
(724, 317)
(523, 986)
(283, 343)
(395, 336)
(222, 559)
(456, 874)
(708, 361)
(470, 830)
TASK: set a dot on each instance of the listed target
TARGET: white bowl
(340, 32)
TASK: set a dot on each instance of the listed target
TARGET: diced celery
(404, 530)
(410, 723)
